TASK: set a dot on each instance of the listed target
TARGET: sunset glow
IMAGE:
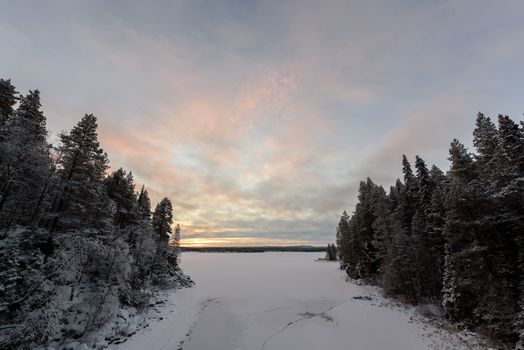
(259, 120)
(240, 242)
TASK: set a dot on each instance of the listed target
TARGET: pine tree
(176, 237)
(144, 204)
(163, 218)
(81, 200)
(510, 142)
(166, 257)
(102, 268)
(121, 189)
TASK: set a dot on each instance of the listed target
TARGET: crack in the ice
(204, 304)
(273, 309)
(305, 316)
(281, 330)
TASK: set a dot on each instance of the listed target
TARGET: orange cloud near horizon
(241, 242)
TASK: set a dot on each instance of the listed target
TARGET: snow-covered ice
(280, 301)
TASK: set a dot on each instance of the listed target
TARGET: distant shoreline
(261, 249)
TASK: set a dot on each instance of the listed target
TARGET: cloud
(259, 119)
(427, 131)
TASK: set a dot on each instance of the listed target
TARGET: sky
(258, 119)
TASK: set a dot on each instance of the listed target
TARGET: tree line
(455, 238)
(77, 244)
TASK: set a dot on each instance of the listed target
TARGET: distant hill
(261, 249)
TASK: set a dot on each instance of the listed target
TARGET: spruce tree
(462, 169)
(364, 235)
(394, 195)
(428, 279)
(436, 219)
(8, 98)
(510, 142)
(331, 252)
(343, 240)
(25, 160)
(408, 199)
(425, 184)
(381, 227)
(399, 276)
(505, 217)
(464, 260)
(485, 140)
(455, 238)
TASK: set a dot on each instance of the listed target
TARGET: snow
(281, 301)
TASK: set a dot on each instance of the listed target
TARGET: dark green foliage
(456, 238)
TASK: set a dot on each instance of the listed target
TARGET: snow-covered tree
(163, 218)
(343, 240)
(144, 204)
(25, 160)
(93, 253)
(8, 98)
(120, 188)
(176, 237)
(81, 199)
(331, 252)
(454, 237)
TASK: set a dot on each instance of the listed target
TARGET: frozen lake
(280, 301)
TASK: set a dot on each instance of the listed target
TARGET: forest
(454, 239)
(79, 245)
